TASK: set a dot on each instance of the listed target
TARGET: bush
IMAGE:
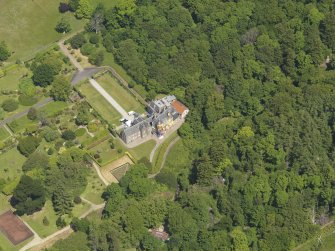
(78, 41)
(32, 113)
(87, 49)
(50, 135)
(63, 26)
(96, 58)
(92, 127)
(51, 151)
(27, 100)
(28, 145)
(77, 200)
(168, 179)
(97, 156)
(46, 221)
(80, 132)
(68, 135)
(60, 222)
(69, 144)
(10, 105)
(81, 225)
(94, 38)
(63, 7)
(27, 87)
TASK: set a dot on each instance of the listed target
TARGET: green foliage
(4, 52)
(77, 41)
(63, 26)
(87, 49)
(68, 135)
(76, 241)
(62, 201)
(38, 160)
(10, 105)
(50, 135)
(27, 100)
(32, 113)
(27, 87)
(43, 75)
(84, 9)
(96, 58)
(60, 89)
(28, 196)
(28, 145)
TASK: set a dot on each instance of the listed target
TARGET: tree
(84, 9)
(63, 7)
(28, 196)
(27, 87)
(43, 75)
(50, 135)
(60, 89)
(37, 160)
(10, 105)
(28, 145)
(62, 201)
(73, 4)
(68, 135)
(32, 113)
(78, 41)
(4, 52)
(96, 58)
(63, 26)
(240, 241)
(60, 222)
(96, 22)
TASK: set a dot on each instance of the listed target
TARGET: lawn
(142, 150)
(106, 153)
(12, 78)
(94, 188)
(159, 154)
(120, 94)
(4, 203)
(36, 220)
(11, 163)
(54, 108)
(20, 125)
(178, 157)
(29, 26)
(105, 109)
(4, 134)
(6, 245)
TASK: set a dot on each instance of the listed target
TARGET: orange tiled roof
(180, 108)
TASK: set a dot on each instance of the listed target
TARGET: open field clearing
(29, 26)
(11, 163)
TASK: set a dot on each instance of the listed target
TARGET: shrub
(69, 144)
(96, 58)
(92, 127)
(28, 145)
(87, 49)
(32, 113)
(63, 26)
(81, 225)
(97, 156)
(51, 151)
(63, 7)
(46, 221)
(60, 222)
(80, 132)
(94, 38)
(43, 75)
(50, 135)
(68, 135)
(27, 100)
(77, 200)
(78, 41)
(27, 87)
(10, 105)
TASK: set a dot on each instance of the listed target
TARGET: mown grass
(120, 94)
(6, 245)
(20, 125)
(36, 220)
(53, 108)
(98, 102)
(4, 134)
(107, 154)
(10, 164)
(178, 158)
(159, 154)
(29, 26)
(142, 150)
(12, 78)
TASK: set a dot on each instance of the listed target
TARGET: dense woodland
(260, 133)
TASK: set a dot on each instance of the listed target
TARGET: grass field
(6, 245)
(4, 134)
(29, 26)
(94, 188)
(120, 94)
(36, 220)
(159, 154)
(107, 154)
(53, 108)
(20, 125)
(142, 150)
(10, 164)
(105, 109)
(12, 78)
(178, 158)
